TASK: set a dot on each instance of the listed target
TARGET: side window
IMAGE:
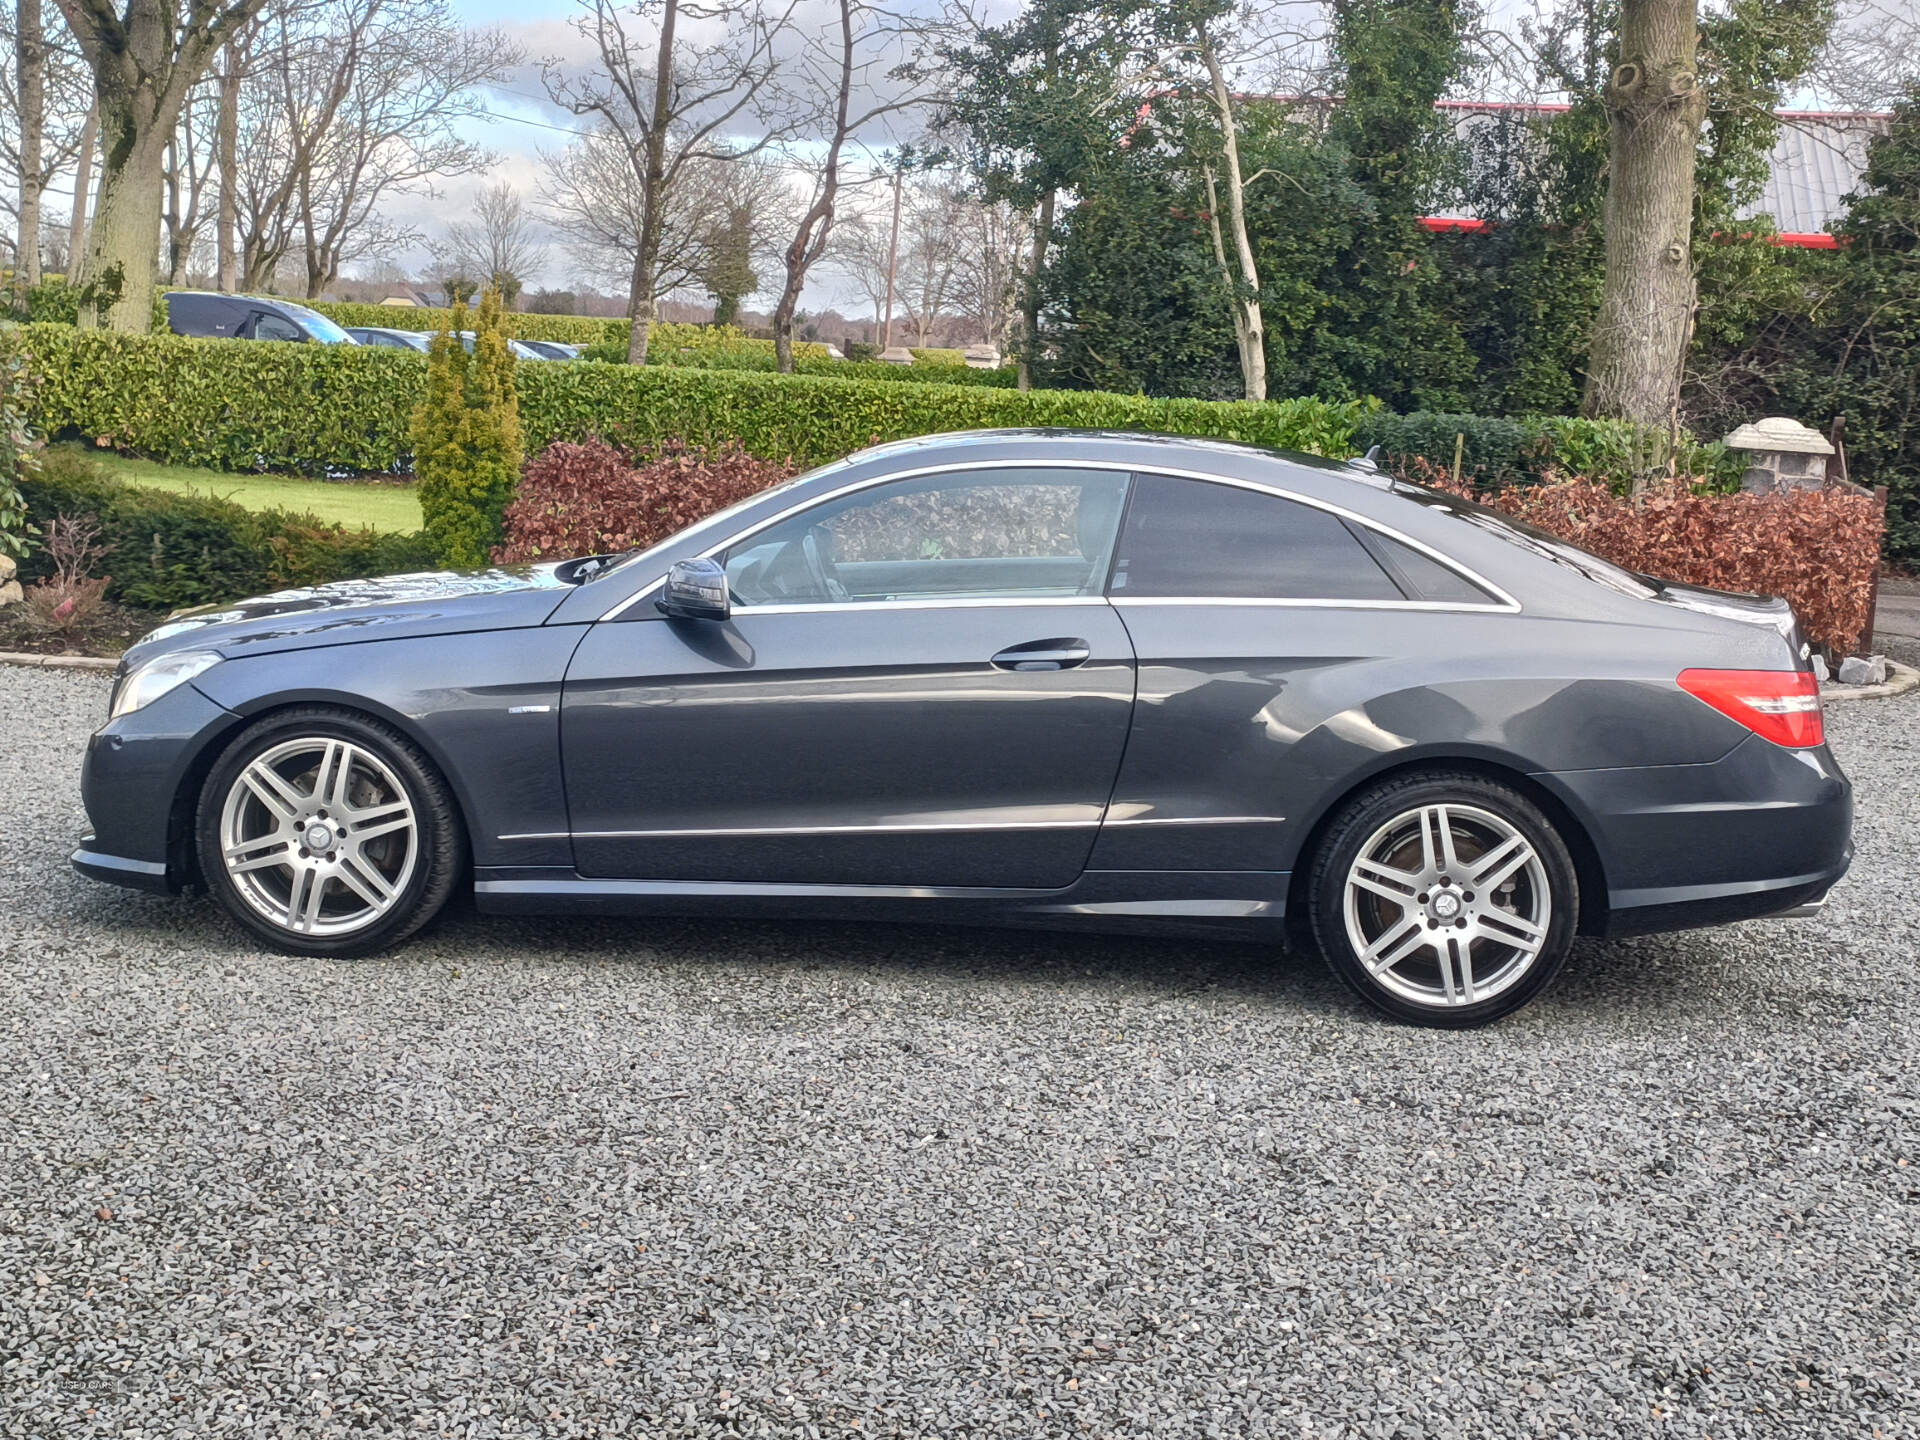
(199, 315)
(1422, 576)
(1194, 538)
(272, 327)
(957, 535)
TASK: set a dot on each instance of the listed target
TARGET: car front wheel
(1444, 899)
(326, 832)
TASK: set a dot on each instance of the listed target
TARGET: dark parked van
(207, 315)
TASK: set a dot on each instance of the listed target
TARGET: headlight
(150, 681)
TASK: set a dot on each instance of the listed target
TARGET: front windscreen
(319, 326)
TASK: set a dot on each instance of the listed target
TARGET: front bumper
(138, 782)
(1761, 831)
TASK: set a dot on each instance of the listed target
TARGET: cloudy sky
(522, 122)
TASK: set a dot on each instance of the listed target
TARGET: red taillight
(1778, 705)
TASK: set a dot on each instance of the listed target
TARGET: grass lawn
(384, 507)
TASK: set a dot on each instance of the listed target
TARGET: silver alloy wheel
(318, 836)
(1447, 905)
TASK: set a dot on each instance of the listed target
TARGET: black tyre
(1444, 899)
(327, 832)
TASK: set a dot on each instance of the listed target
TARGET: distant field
(383, 507)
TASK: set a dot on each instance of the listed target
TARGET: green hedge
(55, 302)
(567, 329)
(315, 408)
(168, 551)
(1499, 451)
(920, 372)
(230, 404)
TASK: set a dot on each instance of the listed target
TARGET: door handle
(1043, 655)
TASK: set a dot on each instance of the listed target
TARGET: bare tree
(931, 241)
(188, 174)
(1233, 249)
(338, 106)
(862, 254)
(500, 246)
(235, 58)
(839, 69)
(82, 188)
(664, 111)
(44, 97)
(989, 239)
(1872, 56)
(1656, 105)
(146, 56)
(30, 62)
(592, 195)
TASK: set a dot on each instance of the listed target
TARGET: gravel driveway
(679, 1179)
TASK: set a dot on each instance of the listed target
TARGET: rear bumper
(1761, 831)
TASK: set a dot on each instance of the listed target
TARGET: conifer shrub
(466, 437)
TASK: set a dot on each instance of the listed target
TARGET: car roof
(1119, 447)
(267, 300)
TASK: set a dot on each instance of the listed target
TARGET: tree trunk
(1656, 106)
(117, 269)
(82, 183)
(642, 304)
(226, 142)
(30, 54)
(809, 243)
(1240, 336)
(1030, 297)
(893, 259)
(1249, 324)
(179, 239)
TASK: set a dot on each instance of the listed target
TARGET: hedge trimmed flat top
(1039, 677)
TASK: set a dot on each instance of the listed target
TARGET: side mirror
(695, 590)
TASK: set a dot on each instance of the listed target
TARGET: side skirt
(1251, 903)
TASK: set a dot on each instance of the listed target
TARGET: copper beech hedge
(592, 498)
(1817, 549)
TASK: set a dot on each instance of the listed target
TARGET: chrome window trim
(1445, 606)
(984, 602)
(1505, 602)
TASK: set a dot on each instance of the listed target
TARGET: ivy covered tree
(466, 436)
(1038, 104)
(1849, 343)
(1131, 298)
(1388, 325)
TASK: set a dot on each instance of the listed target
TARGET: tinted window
(1422, 576)
(272, 327)
(202, 315)
(959, 535)
(1192, 538)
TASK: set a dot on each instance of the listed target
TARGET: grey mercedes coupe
(1021, 677)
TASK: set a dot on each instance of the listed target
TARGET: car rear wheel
(1444, 899)
(325, 832)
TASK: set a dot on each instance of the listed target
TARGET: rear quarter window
(203, 315)
(1199, 540)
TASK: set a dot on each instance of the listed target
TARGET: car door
(920, 684)
(268, 326)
